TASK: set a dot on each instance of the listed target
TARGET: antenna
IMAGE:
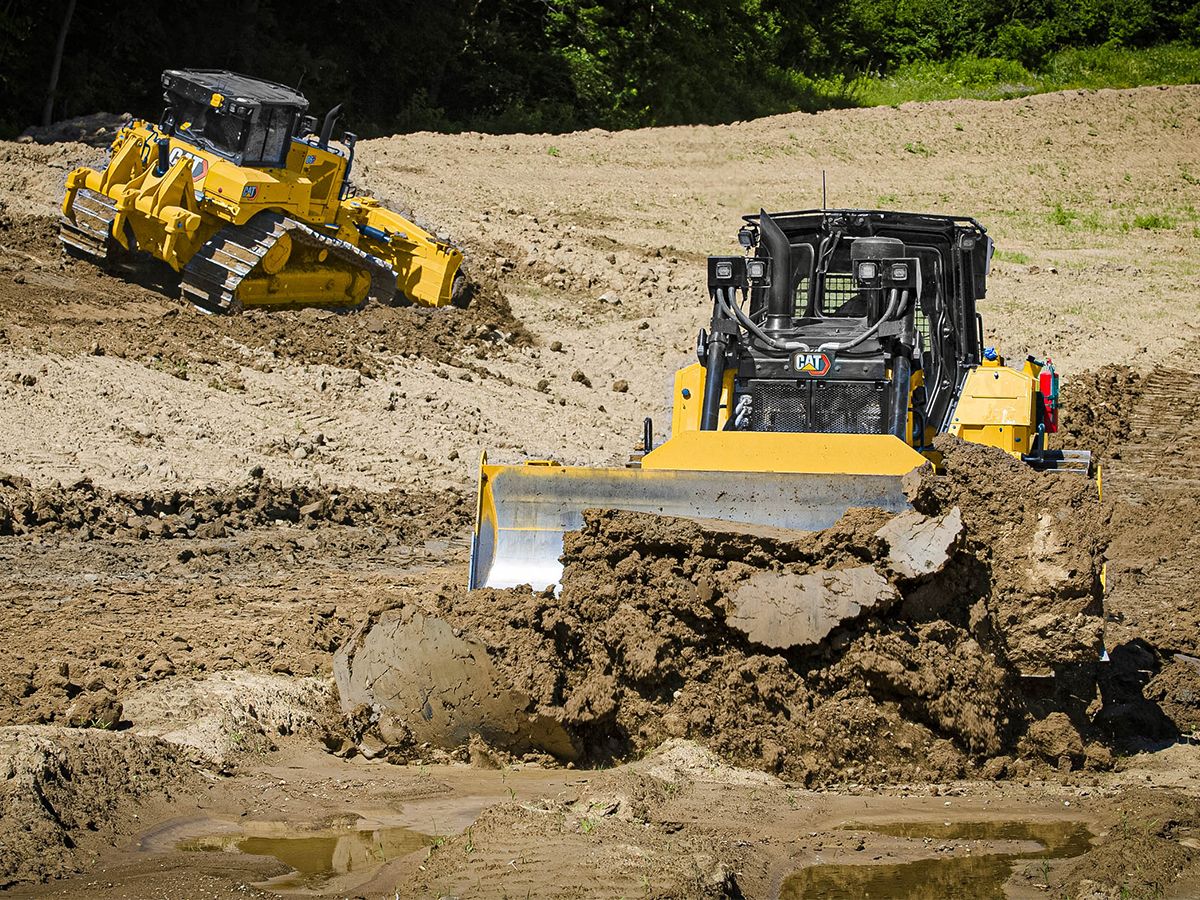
(824, 204)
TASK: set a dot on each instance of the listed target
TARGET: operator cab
(248, 121)
(827, 324)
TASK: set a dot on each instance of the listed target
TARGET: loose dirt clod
(783, 609)
(422, 682)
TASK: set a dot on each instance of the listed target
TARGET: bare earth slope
(195, 513)
(628, 216)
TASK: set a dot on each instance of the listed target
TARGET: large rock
(783, 609)
(424, 682)
(920, 545)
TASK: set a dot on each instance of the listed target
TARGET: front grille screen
(844, 407)
(854, 407)
(779, 406)
(839, 287)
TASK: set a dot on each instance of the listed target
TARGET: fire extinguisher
(1048, 386)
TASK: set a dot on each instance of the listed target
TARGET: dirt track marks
(1153, 487)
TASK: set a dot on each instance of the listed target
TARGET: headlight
(900, 272)
(867, 271)
(724, 270)
(756, 269)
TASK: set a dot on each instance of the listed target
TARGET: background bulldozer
(839, 346)
(236, 191)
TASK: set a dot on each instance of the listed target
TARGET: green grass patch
(1012, 256)
(1062, 217)
(1153, 222)
(1002, 79)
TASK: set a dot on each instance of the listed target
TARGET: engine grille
(845, 407)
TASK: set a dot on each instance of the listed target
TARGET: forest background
(562, 65)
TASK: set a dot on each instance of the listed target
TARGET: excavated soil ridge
(1097, 410)
(59, 787)
(87, 511)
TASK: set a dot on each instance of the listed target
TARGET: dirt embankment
(1097, 410)
(1149, 841)
(63, 789)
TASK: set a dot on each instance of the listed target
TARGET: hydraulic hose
(896, 300)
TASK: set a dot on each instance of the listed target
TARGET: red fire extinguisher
(1048, 385)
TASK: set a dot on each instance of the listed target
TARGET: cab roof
(201, 84)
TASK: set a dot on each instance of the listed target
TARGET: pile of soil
(1149, 842)
(60, 787)
(640, 647)
(54, 303)
(88, 511)
(95, 130)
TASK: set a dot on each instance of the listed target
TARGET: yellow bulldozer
(237, 192)
(841, 344)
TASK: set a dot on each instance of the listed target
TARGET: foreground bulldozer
(236, 191)
(840, 345)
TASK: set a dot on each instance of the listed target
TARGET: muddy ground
(197, 513)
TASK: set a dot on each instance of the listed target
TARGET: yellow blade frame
(799, 481)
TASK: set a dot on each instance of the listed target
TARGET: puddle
(981, 875)
(317, 858)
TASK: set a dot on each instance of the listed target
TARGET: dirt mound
(54, 303)
(1175, 689)
(228, 715)
(60, 788)
(95, 130)
(1149, 842)
(88, 511)
(649, 639)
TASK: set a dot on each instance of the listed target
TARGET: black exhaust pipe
(164, 157)
(779, 297)
(327, 126)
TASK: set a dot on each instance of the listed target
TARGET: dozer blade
(797, 481)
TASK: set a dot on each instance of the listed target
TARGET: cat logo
(199, 169)
(249, 192)
(811, 365)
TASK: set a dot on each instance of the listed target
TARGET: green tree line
(540, 65)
